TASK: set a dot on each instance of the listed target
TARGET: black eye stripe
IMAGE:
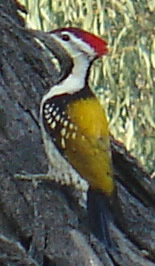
(65, 37)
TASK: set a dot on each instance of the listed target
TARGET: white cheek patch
(74, 82)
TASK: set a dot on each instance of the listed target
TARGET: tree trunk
(45, 225)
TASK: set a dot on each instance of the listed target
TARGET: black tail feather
(100, 216)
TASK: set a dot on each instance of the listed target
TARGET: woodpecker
(75, 129)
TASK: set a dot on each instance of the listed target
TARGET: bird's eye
(65, 37)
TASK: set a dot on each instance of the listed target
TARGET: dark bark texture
(45, 225)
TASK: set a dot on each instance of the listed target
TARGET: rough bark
(45, 225)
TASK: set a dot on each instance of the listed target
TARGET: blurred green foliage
(124, 80)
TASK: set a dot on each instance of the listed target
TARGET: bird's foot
(34, 178)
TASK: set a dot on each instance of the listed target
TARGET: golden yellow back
(88, 148)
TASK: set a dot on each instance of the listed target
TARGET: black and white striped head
(78, 42)
(83, 48)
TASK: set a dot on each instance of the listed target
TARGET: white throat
(74, 82)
